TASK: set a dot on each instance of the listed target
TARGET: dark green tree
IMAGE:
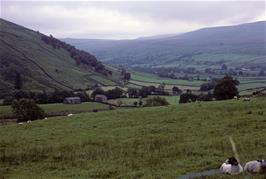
(27, 109)
(225, 88)
(176, 90)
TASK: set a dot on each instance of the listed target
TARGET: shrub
(205, 97)
(140, 103)
(135, 103)
(156, 101)
(27, 109)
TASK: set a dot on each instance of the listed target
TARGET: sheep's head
(232, 161)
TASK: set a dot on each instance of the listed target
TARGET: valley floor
(157, 142)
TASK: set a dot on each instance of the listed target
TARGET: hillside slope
(236, 46)
(45, 63)
(157, 142)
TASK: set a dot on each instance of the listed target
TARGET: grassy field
(159, 142)
(59, 108)
(144, 79)
(168, 87)
(150, 78)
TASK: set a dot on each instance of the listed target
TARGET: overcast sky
(121, 20)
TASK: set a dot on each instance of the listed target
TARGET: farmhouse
(100, 98)
(72, 100)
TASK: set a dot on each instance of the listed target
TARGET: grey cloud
(128, 19)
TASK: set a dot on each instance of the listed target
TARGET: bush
(205, 97)
(187, 97)
(156, 101)
(27, 109)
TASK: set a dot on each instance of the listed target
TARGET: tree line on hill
(81, 57)
(57, 96)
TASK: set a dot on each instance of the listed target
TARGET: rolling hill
(46, 63)
(236, 46)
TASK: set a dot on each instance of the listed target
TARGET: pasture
(58, 108)
(157, 142)
(247, 84)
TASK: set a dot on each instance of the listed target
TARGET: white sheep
(20, 123)
(256, 166)
(69, 115)
(246, 99)
(231, 166)
(29, 121)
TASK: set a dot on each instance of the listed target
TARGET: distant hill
(236, 46)
(156, 37)
(46, 63)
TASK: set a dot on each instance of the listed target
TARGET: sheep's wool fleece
(253, 166)
(231, 169)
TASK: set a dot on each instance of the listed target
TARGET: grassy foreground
(159, 142)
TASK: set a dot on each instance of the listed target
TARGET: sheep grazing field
(156, 142)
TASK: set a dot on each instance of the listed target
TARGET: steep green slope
(236, 46)
(41, 66)
(158, 142)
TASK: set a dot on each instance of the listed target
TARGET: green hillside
(157, 142)
(236, 46)
(42, 66)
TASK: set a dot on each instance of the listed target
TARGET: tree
(114, 93)
(18, 81)
(27, 109)
(135, 103)
(176, 90)
(187, 97)
(224, 67)
(127, 76)
(225, 88)
(140, 103)
(261, 73)
(205, 97)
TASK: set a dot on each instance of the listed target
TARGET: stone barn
(100, 98)
(72, 100)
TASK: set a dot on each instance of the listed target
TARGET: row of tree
(223, 89)
(81, 57)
